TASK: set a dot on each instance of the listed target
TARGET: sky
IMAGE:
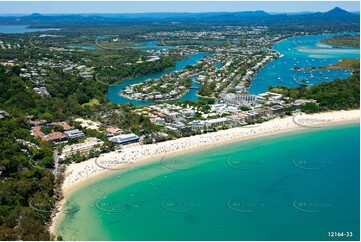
(42, 7)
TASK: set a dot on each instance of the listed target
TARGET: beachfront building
(83, 148)
(196, 124)
(124, 139)
(74, 134)
(217, 121)
(199, 124)
(276, 109)
(239, 118)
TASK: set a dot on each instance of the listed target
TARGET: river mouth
(302, 52)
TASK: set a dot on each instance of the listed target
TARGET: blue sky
(171, 6)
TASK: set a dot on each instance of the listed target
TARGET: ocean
(302, 185)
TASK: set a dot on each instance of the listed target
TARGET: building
(263, 112)
(74, 134)
(269, 96)
(239, 117)
(38, 122)
(62, 124)
(124, 139)
(196, 124)
(217, 121)
(83, 148)
(276, 109)
(53, 137)
(246, 97)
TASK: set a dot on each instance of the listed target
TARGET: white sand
(80, 173)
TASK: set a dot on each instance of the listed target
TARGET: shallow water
(304, 52)
(295, 186)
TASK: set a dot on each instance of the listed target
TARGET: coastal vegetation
(27, 190)
(75, 81)
(336, 95)
(343, 40)
(343, 64)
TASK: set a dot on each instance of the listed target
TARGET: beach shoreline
(81, 174)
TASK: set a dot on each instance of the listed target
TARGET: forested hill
(334, 18)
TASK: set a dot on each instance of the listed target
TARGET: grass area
(343, 40)
(93, 102)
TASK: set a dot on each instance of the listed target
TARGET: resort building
(276, 109)
(53, 137)
(197, 124)
(217, 121)
(124, 139)
(83, 148)
(62, 124)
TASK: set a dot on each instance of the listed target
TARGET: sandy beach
(80, 174)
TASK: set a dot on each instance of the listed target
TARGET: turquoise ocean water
(294, 186)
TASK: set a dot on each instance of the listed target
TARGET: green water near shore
(294, 186)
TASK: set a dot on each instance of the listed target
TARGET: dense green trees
(336, 95)
(123, 70)
(343, 40)
(27, 189)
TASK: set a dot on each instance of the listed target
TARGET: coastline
(81, 174)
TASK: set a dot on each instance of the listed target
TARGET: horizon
(106, 13)
(158, 7)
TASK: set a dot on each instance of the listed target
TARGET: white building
(83, 148)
